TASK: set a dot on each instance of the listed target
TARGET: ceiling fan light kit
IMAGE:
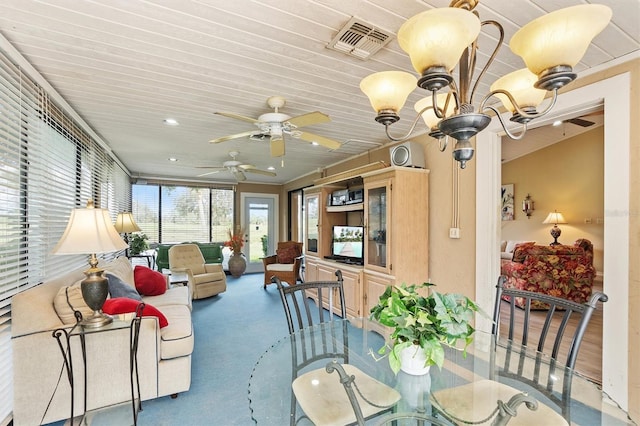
(276, 125)
(439, 39)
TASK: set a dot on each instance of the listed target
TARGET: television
(348, 244)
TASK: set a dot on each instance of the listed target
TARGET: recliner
(205, 279)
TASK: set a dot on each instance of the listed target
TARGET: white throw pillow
(511, 246)
(68, 300)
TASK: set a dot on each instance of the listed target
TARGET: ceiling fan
(236, 168)
(581, 121)
(276, 124)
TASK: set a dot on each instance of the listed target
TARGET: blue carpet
(231, 330)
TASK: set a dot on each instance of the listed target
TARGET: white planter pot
(412, 361)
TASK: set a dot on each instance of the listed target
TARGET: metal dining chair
(349, 397)
(528, 337)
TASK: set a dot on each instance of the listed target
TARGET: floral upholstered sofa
(561, 271)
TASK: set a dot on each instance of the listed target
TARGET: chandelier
(439, 39)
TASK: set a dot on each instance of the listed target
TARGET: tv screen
(348, 243)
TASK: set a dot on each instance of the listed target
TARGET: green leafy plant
(138, 243)
(431, 322)
(265, 244)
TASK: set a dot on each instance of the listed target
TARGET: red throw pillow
(123, 305)
(149, 282)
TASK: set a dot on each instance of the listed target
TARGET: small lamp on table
(555, 217)
(125, 225)
(90, 230)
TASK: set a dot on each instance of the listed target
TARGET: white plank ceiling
(126, 65)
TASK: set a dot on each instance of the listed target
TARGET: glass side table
(64, 336)
(177, 276)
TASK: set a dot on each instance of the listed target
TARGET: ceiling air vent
(359, 39)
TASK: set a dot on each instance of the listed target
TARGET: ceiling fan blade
(239, 175)
(309, 119)
(277, 146)
(209, 173)
(220, 168)
(238, 117)
(252, 169)
(236, 136)
(580, 122)
(321, 140)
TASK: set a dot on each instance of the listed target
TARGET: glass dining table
(272, 401)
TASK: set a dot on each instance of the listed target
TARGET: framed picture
(507, 201)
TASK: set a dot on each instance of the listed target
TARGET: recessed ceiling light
(271, 168)
(173, 159)
(171, 122)
(557, 123)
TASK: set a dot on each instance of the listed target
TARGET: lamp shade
(429, 116)
(388, 90)
(520, 85)
(560, 37)
(555, 218)
(89, 230)
(125, 223)
(437, 37)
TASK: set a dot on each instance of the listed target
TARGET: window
(171, 213)
(48, 165)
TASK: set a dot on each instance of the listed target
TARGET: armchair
(205, 279)
(285, 264)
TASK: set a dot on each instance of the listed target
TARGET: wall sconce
(527, 206)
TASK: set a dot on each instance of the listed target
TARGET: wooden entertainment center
(394, 211)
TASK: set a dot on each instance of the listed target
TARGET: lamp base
(97, 320)
(95, 289)
(555, 233)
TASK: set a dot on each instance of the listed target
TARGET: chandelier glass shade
(387, 92)
(441, 39)
(437, 37)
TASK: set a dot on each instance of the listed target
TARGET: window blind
(48, 166)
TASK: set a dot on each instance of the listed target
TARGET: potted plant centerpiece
(423, 325)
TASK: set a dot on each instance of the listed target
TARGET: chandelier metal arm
(453, 87)
(528, 115)
(442, 146)
(413, 126)
(504, 125)
(440, 112)
(491, 58)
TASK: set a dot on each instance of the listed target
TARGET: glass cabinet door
(312, 216)
(377, 226)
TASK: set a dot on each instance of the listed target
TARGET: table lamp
(555, 217)
(124, 225)
(90, 230)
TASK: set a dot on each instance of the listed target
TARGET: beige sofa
(164, 355)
